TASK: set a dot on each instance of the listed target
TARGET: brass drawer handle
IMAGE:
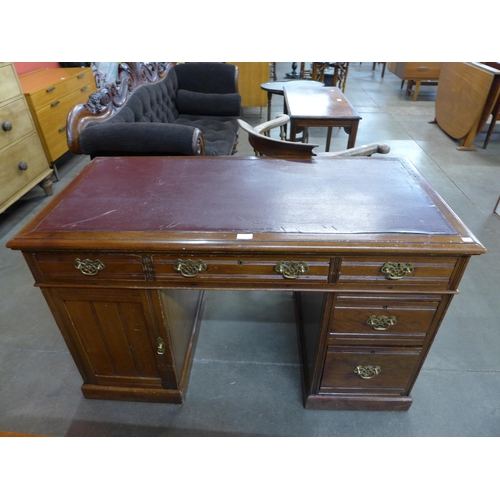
(291, 269)
(160, 346)
(381, 322)
(368, 371)
(84, 89)
(62, 129)
(190, 268)
(88, 267)
(50, 89)
(397, 270)
(81, 76)
(55, 103)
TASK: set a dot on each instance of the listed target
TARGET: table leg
(328, 139)
(417, 87)
(293, 130)
(269, 99)
(353, 131)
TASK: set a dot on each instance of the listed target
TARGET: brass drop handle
(368, 371)
(190, 268)
(6, 126)
(160, 346)
(397, 270)
(381, 322)
(291, 269)
(88, 267)
(22, 165)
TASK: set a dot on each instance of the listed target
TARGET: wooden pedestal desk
(125, 252)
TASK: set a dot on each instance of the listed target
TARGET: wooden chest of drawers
(416, 73)
(22, 161)
(125, 253)
(51, 94)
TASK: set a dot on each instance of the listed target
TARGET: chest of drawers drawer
(386, 273)
(8, 83)
(63, 82)
(21, 165)
(15, 122)
(374, 371)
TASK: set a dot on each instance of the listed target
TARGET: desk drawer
(265, 269)
(382, 319)
(87, 267)
(389, 272)
(374, 370)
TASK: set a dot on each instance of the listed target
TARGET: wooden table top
(160, 202)
(318, 102)
(278, 86)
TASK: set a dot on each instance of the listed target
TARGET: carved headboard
(107, 101)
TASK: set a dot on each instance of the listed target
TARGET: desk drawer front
(397, 271)
(8, 83)
(226, 268)
(374, 371)
(382, 319)
(87, 268)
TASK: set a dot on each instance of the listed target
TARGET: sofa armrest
(142, 138)
(200, 103)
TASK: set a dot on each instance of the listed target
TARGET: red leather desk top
(291, 199)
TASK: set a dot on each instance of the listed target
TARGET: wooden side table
(321, 107)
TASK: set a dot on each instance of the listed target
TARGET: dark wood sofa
(160, 109)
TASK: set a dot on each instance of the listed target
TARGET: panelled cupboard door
(115, 337)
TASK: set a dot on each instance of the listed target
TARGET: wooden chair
(267, 146)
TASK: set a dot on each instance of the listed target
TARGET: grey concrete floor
(245, 379)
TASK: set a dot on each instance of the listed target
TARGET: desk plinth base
(133, 394)
(363, 403)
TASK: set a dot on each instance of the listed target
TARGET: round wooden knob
(22, 165)
(6, 126)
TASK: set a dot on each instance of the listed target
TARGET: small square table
(321, 107)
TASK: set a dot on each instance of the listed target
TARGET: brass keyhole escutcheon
(160, 346)
(397, 270)
(88, 267)
(291, 269)
(190, 268)
(367, 372)
(381, 322)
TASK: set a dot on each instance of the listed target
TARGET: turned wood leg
(46, 185)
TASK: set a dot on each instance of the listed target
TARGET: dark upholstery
(162, 118)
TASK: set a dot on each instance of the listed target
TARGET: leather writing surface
(322, 196)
